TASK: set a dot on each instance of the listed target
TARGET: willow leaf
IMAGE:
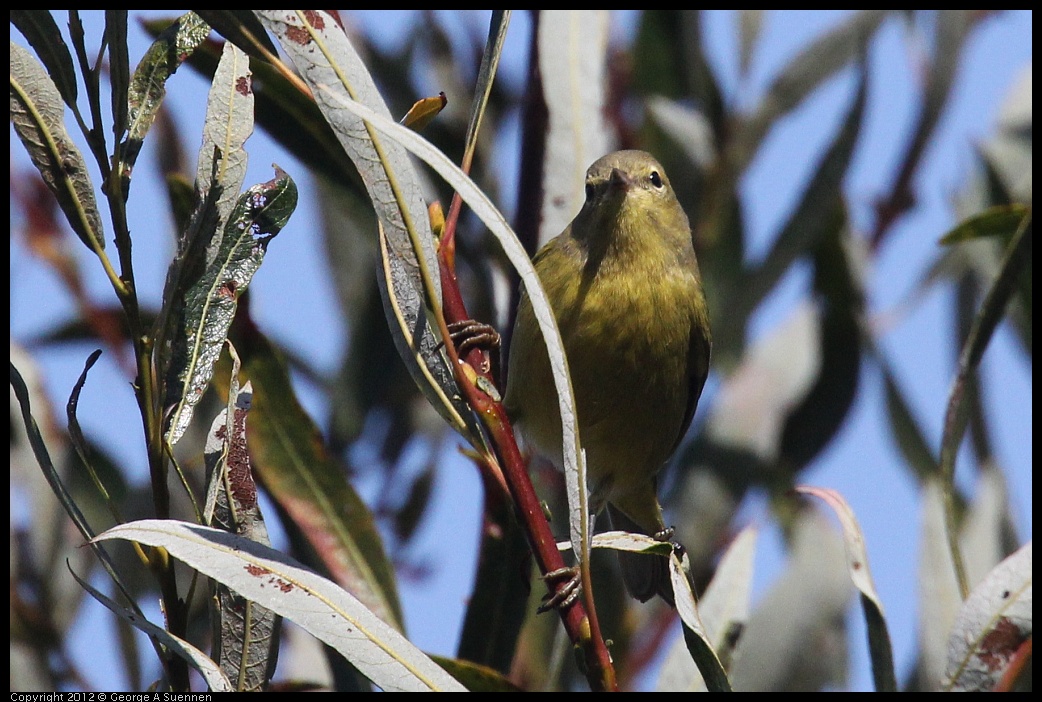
(695, 636)
(1017, 257)
(37, 114)
(41, 31)
(316, 604)
(119, 67)
(860, 574)
(229, 123)
(148, 84)
(210, 303)
(723, 610)
(245, 634)
(497, 34)
(573, 64)
(211, 673)
(331, 67)
(820, 60)
(1001, 221)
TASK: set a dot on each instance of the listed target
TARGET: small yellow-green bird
(624, 285)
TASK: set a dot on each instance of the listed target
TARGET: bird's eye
(655, 179)
(589, 192)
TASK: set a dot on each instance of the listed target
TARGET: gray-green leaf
(148, 84)
(42, 33)
(210, 303)
(336, 75)
(38, 116)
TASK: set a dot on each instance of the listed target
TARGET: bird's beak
(620, 180)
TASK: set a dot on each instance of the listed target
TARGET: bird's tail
(645, 574)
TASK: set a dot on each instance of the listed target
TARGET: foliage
(401, 269)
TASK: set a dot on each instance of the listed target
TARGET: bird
(624, 285)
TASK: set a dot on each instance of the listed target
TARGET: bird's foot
(567, 594)
(469, 333)
(666, 536)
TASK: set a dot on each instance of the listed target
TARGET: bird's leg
(469, 333)
(568, 594)
(666, 536)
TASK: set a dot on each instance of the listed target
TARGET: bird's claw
(666, 536)
(468, 333)
(567, 594)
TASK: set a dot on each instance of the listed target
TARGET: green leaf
(245, 634)
(210, 303)
(475, 677)
(857, 565)
(119, 67)
(38, 116)
(695, 635)
(148, 84)
(296, 593)
(41, 31)
(497, 34)
(311, 485)
(1000, 221)
(819, 60)
(412, 288)
(1017, 257)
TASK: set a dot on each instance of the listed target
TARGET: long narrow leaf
(497, 34)
(1018, 255)
(723, 610)
(148, 84)
(229, 123)
(119, 67)
(246, 635)
(332, 69)
(283, 585)
(479, 203)
(41, 31)
(857, 564)
(695, 636)
(38, 116)
(210, 304)
(573, 65)
(212, 674)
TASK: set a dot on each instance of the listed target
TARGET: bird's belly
(629, 400)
